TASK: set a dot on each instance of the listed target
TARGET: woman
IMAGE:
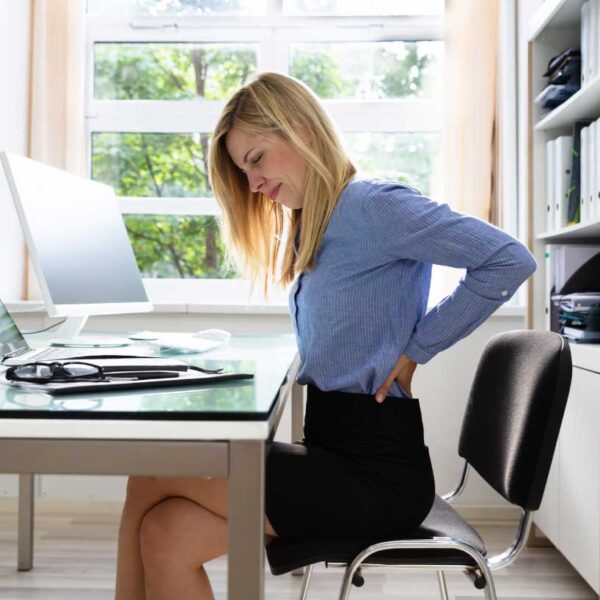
(360, 251)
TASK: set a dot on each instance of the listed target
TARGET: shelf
(586, 356)
(581, 231)
(555, 13)
(585, 104)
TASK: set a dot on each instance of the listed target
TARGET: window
(160, 72)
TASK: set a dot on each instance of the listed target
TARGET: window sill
(37, 307)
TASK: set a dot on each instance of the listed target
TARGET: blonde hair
(252, 225)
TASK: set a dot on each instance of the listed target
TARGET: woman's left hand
(402, 373)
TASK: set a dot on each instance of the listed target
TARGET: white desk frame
(168, 448)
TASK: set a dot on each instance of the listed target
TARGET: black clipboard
(191, 378)
(186, 375)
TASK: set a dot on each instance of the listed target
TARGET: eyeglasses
(41, 372)
(61, 372)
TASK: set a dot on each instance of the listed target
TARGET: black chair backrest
(514, 412)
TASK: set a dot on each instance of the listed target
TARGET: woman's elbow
(526, 263)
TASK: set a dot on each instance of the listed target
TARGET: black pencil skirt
(362, 469)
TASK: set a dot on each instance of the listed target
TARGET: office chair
(508, 435)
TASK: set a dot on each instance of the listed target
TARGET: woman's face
(271, 164)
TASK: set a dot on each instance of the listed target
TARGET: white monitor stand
(67, 334)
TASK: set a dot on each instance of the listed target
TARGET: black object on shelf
(564, 78)
(575, 309)
(560, 63)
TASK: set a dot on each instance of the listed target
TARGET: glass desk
(215, 430)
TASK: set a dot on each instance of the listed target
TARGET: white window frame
(272, 33)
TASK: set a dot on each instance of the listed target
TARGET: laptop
(14, 349)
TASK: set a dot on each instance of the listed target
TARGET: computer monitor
(77, 241)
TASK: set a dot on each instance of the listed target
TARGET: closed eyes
(254, 162)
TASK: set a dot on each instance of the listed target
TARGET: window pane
(361, 7)
(178, 246)
(406, 157)
(369, 70)
(171, 71)
(152, 164)
(175, 7)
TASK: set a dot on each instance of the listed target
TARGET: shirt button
(504, 293)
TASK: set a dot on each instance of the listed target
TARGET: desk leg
(246, 561)
(25, 531)
(297, 412)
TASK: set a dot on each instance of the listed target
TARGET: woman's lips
(274, 193)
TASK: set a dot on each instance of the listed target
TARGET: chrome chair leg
(442, 583)
(490, 589)
(347, 581)
(306, 581)
(352, 575)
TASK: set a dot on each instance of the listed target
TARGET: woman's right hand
(402, 373)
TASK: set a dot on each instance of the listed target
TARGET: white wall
(14, 118)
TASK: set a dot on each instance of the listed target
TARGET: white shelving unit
(570, 512)
(554, 14)
(582, 105)
(555, 27)
(574, 233)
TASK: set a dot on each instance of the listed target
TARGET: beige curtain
(57, 125)
(469, 140)
(469, 156)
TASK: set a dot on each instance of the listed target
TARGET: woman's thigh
(311, 491)
(315, 491)
(212, 493)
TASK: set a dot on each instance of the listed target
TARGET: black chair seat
(285, 555)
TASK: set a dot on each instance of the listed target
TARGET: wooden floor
(75, 552)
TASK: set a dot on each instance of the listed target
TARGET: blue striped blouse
(365, 302)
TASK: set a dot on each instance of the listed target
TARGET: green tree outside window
(175, 165)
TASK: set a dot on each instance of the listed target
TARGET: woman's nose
(256, 183)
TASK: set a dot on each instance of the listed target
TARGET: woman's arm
(406, 225)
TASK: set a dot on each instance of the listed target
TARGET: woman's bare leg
(177, 537)
(143, 493)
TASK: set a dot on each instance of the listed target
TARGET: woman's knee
(160, 530)
(178, 533)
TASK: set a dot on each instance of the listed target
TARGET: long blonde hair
(252, 225)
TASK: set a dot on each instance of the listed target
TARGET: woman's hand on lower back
(402, 373)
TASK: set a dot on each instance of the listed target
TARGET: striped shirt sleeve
(406, 225)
